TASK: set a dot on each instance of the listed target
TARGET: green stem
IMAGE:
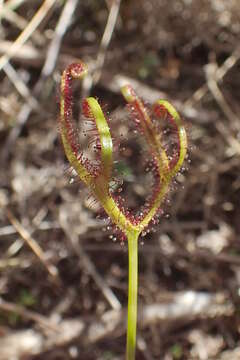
(132, 294)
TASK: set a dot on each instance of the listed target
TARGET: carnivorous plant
(97, 176)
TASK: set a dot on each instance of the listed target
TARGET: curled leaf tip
(128, 93)
(78, 70)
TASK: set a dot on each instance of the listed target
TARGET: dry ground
(63, 281)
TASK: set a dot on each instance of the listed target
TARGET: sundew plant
(98, 175)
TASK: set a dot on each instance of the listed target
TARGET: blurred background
(63, 273)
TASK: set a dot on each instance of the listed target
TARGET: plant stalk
(132, 294)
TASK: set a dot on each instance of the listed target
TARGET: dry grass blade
(20, 310)
(220, 73)
(106, 38)
(13, 4)
(27, 32)
(218, 95)
(19, 21)
(20, 85)
(48, 67)
(61, 28)
(88, 264)
(105, 41)
(52, 270)
(27, 54)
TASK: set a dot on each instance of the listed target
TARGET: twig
(86, 262)
(13, 262)
(27, 54)
(27, 32)
(19, 21)
(180, 253)
(182, 307)
(217, 94)
(48, 68)
(52, 270)
(45, 225)
(20, 310)
(20, 86)
(61, 28)
(14, 4)
(89, 81)
(106, 38)
(220, 73)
